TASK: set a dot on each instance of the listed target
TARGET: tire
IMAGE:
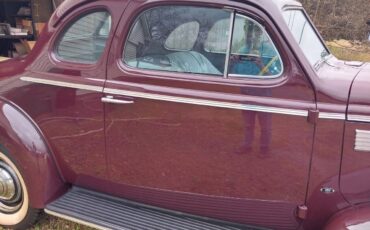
(15, 211)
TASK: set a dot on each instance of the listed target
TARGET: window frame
(314, 28)
(136, 18)
(248, 11)
(63, 27)
(257, 77)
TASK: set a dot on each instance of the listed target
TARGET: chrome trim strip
(361, 118)
(110, 99)
(229, 43)
(229, 105)
(63, 84)
(73, 219)
(362, 140)
(335, 116)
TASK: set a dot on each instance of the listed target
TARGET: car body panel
(63, 99)
(23, 142)
(334, 85)
(353, 218)
(175, 142)
(192, 114)
(354, 174)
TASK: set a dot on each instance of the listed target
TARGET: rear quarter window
(84, 40)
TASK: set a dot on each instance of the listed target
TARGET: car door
(207, 113)
(62, 88)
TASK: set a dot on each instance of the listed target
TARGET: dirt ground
(350, 50)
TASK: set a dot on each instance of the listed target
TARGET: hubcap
(10, 189)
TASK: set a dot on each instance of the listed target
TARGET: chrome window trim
(255, 77)
(258, 77)
(229, 44)
(124, 63)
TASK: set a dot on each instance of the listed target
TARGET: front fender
(354, 218)
(22, 141)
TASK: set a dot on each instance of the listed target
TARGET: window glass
(187, 33)
(252, 52)
(216, 41)
(306, 36)
(84, 41)
(178, 39)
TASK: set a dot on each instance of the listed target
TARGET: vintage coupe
(211, 114)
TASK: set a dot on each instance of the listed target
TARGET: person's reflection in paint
(249, 61)
(250, 118)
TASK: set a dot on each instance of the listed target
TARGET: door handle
(110, 99)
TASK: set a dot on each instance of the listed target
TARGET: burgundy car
(185, 115)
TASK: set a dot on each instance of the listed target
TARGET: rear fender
(353, 218)
(22, 141)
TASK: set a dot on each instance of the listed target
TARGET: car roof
(283, 3)
(67, 5)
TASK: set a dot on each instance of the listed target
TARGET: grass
(350, 51)
(52, 223)
(47, 222)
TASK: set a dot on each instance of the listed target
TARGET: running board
(107, 212)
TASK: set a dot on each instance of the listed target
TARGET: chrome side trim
(361, 118)
(63, 84)
(335, 116)
(110, 99)
(362, 140)
(74, 220)
(228, 105)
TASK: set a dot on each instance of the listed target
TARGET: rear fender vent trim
(362, 140)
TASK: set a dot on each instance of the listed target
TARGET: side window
(84, 40)
(199, 40)
(305, 35)
(216, 43)
(178, 39)
(253, 54)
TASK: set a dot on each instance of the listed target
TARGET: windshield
(306, 36)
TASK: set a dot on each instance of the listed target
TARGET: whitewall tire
(15, 211)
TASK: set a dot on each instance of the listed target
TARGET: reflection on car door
(203, 144)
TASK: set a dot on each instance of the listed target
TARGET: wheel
(15, 211)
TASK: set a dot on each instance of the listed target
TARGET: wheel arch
(353, 218)
(22, 141)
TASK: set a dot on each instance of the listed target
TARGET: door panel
(185, 147)
(236, 150)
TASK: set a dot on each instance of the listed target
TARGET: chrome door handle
(110, 99)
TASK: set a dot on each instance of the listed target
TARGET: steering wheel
(266, 68)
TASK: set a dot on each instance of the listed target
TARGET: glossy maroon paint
(185, 157)
(66, 117)
(200, 155)
(354, 218)
(22, 142)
